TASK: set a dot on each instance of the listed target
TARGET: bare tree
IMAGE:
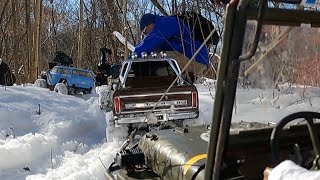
(2, 15)
(15, 37)
(161, 9)
(30, 42)
(35, 68)
(80, 43)
(29, 48)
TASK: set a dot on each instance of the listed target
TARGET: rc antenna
(125, 29)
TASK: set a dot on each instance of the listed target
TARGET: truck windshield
(56, 70)
(77, 72)
(283, 77)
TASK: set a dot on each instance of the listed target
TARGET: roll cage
(236, 17)
(127, 66)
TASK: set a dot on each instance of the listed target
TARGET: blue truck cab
(78, 79)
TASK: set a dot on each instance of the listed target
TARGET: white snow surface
(66, 139)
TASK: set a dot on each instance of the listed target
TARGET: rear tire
(51, 87)
(72, 89)
(87, 91)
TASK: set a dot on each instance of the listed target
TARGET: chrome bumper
(162, 117)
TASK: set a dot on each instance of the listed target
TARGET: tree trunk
(36, 40)
(126, 51)
(3, 11)
(53, 39)
(41, 61)
(15, 39)
(111, 22)
(29, 63)
(80, 45)
(93, 36)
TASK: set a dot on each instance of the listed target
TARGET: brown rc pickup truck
(142, 82)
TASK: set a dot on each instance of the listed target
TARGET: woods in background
(31, 31)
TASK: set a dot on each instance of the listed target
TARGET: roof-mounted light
(163, 54)
(153, 54)
(134, 55)
(144, 55)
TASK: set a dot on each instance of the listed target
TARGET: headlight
(134, 55)
(163, 54)
(144, 55)
(154, 54)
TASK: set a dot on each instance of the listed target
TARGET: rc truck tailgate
(132, 100)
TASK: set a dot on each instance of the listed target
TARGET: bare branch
(161, 9)
(3, 11)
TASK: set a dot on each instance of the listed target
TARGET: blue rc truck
(78, 80)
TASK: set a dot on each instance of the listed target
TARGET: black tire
(51, 87)
(87, 91)
(73, 89)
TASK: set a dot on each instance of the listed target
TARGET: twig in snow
(275, 98)
(274, 101)
(273, 94)
(212, 95)
(39, 111)
(14, 135)
(290, 85)
(26, 168)
(305, 87)
(310, 101)
(51, 159)
(260, 98)
(103, 164)
(300, 100)
(5, 81)
(75, 149)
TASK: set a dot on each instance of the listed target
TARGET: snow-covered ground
(66, 139)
